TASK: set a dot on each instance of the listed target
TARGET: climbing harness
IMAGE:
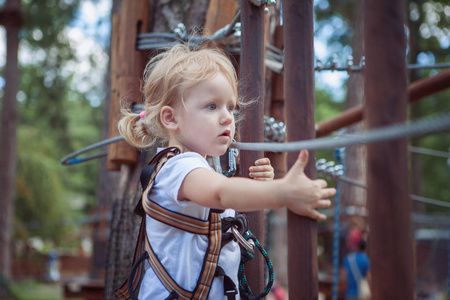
(219, 232)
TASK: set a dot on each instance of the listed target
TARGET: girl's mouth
(225, 136)
(226, 133)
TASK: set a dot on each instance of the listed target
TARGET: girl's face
(206, 121)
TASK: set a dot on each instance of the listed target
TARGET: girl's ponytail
(135, 131)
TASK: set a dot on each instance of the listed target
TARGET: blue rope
(340, 154)
(336, 240)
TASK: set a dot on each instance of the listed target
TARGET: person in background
(356, 267)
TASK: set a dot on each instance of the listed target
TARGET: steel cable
(417, 128)
(426, 126)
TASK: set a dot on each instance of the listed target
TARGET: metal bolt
(180, 31)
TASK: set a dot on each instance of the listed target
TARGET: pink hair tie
(142, 115)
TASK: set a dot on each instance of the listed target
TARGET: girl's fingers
(315, 215)
(322, 183)
(262, 161)
(323, 204)
(320, 216)
(260, 169)
(328, 192)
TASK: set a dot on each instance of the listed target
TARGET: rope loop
(247, 256)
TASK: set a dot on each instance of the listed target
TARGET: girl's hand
(303, 195)
(262, 170)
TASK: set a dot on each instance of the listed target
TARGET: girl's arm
(294, 191)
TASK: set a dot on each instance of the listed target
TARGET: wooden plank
(130, 66)
(114, 111)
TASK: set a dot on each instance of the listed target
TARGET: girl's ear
(167, 116)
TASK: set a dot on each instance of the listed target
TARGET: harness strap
(172, 296)
(150, 171)
(211, 259)
(229, 287)
(174, 219)
(163, 275)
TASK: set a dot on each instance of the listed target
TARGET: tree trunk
(10, 17)
(355, 156)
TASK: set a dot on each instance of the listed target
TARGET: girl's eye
(212, 107)
(231, 108)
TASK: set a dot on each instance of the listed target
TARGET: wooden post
(252, 127)
(130, 65)
(299, 103)
(390, 242)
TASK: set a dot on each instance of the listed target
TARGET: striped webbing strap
(212, 228)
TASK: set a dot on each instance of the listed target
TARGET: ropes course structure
(296, 63)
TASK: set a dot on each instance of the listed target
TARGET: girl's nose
(226, 117)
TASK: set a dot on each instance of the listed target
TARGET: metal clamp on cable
(246, 244)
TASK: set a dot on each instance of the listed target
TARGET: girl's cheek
(233, 129)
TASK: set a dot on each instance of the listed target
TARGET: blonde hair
(166, 78)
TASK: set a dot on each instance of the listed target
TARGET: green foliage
(34, 290)
(326, 108)
(435, 170)
(55, 120)
(429, 40)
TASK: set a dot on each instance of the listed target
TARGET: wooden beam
(114, 110)
(130, 65)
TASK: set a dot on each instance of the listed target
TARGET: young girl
(190, 97)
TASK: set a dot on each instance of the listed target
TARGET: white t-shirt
(181, 252)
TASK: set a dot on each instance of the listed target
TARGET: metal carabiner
(241, 240)
(232, 165)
